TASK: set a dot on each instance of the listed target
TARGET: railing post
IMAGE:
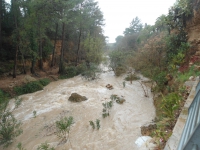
(195, 147)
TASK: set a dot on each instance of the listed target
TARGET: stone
(28, 78)
(192, 78)
(77, 98)
(120, 100)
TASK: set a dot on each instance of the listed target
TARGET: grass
(182, 77)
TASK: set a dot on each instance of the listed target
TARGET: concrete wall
(173, 141)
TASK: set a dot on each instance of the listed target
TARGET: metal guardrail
(190, 138)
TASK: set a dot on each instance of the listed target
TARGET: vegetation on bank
(62, 33)
(162, 53)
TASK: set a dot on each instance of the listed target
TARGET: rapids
(119, 131)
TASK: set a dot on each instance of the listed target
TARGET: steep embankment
(193, 31)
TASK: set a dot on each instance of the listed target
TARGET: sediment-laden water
(119, 131)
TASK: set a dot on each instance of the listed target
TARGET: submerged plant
(63, 127)
(92, 124)
(98, 124)
(18, 102)
(45, 146)
(20, 147)
(124, 84)
(34, 113)
(106, 110)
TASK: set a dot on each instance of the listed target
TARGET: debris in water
(109, 86)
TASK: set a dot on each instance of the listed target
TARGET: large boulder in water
(76, 98)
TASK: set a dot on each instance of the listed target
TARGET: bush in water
(9, 128)
(45, 146)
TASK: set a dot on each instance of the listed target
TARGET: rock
(76, 98)
(189, 84)
(192, 78)
(109, 86)
(120, 100)
(28, 78)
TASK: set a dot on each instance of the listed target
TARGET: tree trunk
(0, 26)
(40, 46)
(62, 49)
(15, 62)
(24, 70)
(33, 65)
(17, 47)
(40, 55)
(78, 49)
(53, 53)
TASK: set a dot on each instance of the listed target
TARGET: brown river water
(119, 131)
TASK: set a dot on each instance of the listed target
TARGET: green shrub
(45, 146)
(28, 88)
(63, 127)
(92, 124)
(132, 77)
(3, 100)
(170, 103)
(119, 70)
(92, 72)
(81, 68)
(106, 108)
(18, 102)
(182, 77)
(20, 147)
(45, 81)
(160, 80)
(98, 124)
(70, 71)
(9, 128)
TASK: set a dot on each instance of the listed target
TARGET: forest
(31, 31)
(37, 35)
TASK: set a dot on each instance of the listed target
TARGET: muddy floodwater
(118, 131)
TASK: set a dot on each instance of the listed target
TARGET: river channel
(119, 131)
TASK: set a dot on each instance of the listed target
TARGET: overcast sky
(119, 13)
